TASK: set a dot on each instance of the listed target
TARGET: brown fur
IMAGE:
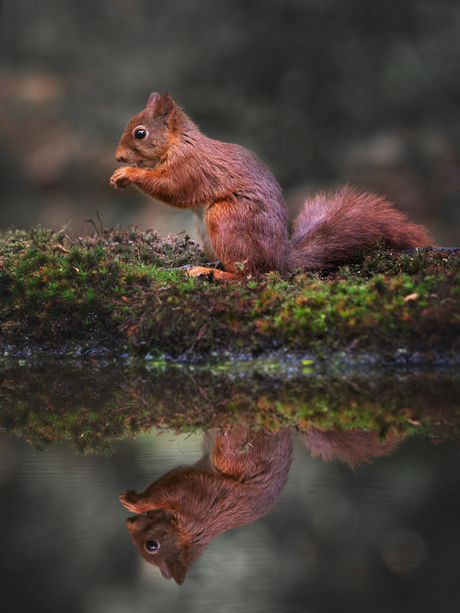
(241, 214)
(353, 447)
(332, 227)
(238, 479)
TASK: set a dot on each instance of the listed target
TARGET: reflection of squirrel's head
(149, 135)
(161, 543)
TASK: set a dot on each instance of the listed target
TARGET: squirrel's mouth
(141, 164)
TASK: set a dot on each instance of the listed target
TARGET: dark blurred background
(325, 91)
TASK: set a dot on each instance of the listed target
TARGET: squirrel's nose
(120, 154)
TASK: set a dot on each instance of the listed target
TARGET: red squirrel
(241, 214)
(238, 479)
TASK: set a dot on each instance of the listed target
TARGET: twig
(102, 227)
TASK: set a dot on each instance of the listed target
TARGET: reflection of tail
(350, 446)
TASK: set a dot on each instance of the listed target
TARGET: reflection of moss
(119, 289)
(94, 406)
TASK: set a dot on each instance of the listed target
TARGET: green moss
(126, 288)
(305, 314)
(54, 293)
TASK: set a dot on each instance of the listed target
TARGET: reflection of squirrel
(240, 211)
(238, 479)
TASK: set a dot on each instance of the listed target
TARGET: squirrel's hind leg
(200, 271)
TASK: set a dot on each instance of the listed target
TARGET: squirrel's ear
(162, 105)
(165, 105)
(153, 99)
(174, 569)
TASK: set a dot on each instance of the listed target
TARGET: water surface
(382, 537)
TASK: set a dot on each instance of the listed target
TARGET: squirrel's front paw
(130, 500)
(121, 178)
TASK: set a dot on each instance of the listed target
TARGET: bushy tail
(353, 447)
(332, 227)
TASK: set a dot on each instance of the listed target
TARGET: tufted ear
(176, 569)
(162, 105)
(153, 99)
(165, 105)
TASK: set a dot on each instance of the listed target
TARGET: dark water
(384, 537)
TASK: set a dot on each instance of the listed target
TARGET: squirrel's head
(149, 135)
(162, 542)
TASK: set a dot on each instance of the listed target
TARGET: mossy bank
(125, 292)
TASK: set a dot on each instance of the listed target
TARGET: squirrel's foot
(200, 271)
(122, 177)
(130, 500)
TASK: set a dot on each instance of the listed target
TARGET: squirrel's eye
(138, 134)
(151, 545)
